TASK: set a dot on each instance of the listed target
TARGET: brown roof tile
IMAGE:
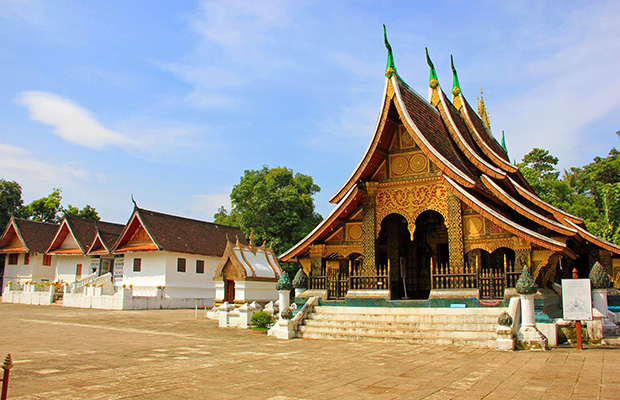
(37, 235)
(187, 235)
(429, 121)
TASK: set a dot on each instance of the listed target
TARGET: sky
(171, 101)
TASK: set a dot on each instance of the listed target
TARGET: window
(137, 264)
(26, 258)
(13, 259)
(181, 265)
(200, 266)
(47, 260)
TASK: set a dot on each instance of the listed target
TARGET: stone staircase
(470, 327)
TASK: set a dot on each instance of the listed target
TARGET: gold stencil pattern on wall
(411, 201)
(404, 164)
(406, 141)
(474, 226)
(354, 232)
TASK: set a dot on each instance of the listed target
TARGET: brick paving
(62, 353)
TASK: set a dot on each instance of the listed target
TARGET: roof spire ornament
(390, 69)
(456, 87)
(482, 111)
(434, 81)
(504, 142)
(252, 237)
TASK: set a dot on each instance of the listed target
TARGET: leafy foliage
(87, 212)
(275, 203)
(45, 209)
(262, 320)
(591, 192)
(10, 200)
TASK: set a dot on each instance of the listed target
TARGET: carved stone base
(282, 329)
(454, 294)
(530, 338)
(368, 294)
(504, 340)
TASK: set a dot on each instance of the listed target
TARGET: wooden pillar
(455, 233)
(369, 229)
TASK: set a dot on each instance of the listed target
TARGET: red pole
(577, 323)
(8, 364)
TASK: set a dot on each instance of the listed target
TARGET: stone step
(411, 310)
(405, 326)
(396, 332)
(437, 340)
(403, 318)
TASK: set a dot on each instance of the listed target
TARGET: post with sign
(577, 302)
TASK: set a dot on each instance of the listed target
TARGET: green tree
(275, 203)
(87, 212)
(591, 192)
(10, 200)
(45, 209)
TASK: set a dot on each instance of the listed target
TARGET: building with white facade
(24, 243)
(180, 254)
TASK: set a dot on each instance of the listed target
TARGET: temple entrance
(410, 260)
(496, 271)
(229, 290)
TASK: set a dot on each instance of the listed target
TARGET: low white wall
(125, 300)
(248, 291)
(29, 296)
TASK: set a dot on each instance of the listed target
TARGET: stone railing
(78, 286)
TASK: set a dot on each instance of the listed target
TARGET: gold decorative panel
(404, 164)
(140, 236)
(410, 202)
(354, 232)
(335, 237)
(473, 225)
(406, 141)
(494, 229)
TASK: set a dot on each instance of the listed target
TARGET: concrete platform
(63, 353)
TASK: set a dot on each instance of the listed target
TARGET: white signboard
(577, 299)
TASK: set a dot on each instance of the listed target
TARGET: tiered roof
(475, 167)
(151, 231)
(76, 235)
(249, 262)
(25, 236)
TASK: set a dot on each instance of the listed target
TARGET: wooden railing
(446, 277)
(317, 282)
(378, 281)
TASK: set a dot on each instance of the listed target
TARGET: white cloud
(71, 121)
(28, 168)
(573, 85)
(208, 204)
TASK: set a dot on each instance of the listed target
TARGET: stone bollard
(224, 309)
(528, 337)
(65, 289)
(245, 313)
(283, 329)
(600, 282)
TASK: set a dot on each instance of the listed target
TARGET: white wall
(66, 267)
(189, 283)
(34, 271)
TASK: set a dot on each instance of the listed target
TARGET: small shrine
(246, 273)
(436, 210)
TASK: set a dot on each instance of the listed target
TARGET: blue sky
(173, 100)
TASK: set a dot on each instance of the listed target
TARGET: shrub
(262, 320)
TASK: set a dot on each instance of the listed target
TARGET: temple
(436, 210)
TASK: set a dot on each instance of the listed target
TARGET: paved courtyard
(62, 353)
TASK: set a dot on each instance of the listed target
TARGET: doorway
(410, 260)
(229, 290)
